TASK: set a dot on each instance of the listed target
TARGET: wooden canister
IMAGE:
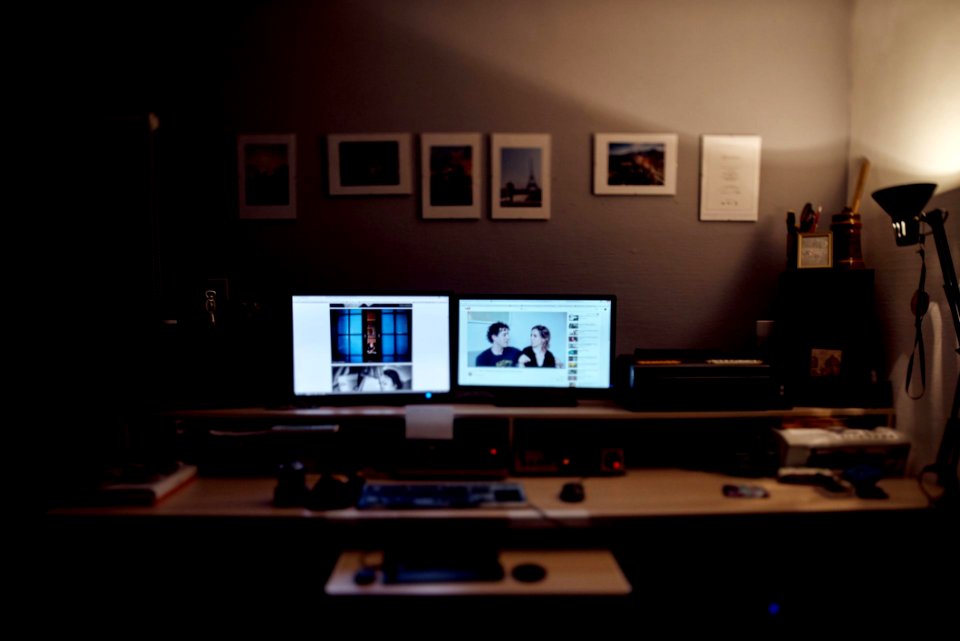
(846, 228)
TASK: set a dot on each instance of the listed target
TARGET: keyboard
(440, 495)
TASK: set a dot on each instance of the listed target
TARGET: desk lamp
(904, 204)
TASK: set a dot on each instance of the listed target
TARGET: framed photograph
(729, 177)
(520, 176)
(451, 172)
(815, 250)
(825, 362)
(362, 164)
(267, 172)
(635, 164)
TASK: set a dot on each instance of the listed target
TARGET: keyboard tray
(440, 495)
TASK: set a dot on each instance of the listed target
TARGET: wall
(905, 118)
(563, 67)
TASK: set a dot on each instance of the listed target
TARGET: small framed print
(815, 250)
(451, 174)
(267, 172)
(825, 362)
(520, 176)
(362, 164)
(635, 164)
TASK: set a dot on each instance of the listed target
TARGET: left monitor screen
(376, 345)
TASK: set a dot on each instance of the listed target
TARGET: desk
(529, 437)
(682, 546)
(638, 494)
(688, 553)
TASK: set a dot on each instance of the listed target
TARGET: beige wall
(824, 82)
(905, 118)
(571, 69)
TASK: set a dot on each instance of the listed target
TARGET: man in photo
(499, 354)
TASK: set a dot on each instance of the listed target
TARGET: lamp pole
(949, 451)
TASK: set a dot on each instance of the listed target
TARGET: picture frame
(451, 175)
(369, 164)
(815, 250)
(635, 164)
(520, 176)
(267, 176)
(730, 177)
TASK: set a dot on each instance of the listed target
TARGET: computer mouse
(572, 492)
(365, 576)
(528, 572)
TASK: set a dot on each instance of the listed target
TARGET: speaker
(826, 342)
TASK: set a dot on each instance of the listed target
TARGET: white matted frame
(815, 250)
(520, 176)
(362, 164)
(267, 176)
(635, 164)
(730, 177)
(451, 173)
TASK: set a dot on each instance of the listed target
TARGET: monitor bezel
(403, 397)
(528, 395)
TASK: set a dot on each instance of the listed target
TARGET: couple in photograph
(501, 354)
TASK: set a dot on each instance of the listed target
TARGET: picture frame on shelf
(635, 164)
(369, 164)
(815, 250)
(451, 175)
(520, 176)
(267, 175)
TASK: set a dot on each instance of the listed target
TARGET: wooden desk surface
(638, 494)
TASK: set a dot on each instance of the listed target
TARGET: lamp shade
(904, 204)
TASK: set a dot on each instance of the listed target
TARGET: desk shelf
(501, 440)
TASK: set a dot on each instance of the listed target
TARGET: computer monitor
(371, 348)
(535, 349)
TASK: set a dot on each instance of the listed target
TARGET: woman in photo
(537, 354)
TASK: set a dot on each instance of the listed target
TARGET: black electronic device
(528, 572)
(291, 489)
(572, 492)
(365, 576)
(362, 348)
(334, 492)
(676, 380)
(528, 349)
(829, 354)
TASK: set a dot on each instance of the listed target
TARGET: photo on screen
(516, 339)
(371, 346)
(525, 345)
(371, 334)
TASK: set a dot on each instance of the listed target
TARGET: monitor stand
(539, 398)
(564, 397)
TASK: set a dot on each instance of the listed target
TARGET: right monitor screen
(537, 342)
